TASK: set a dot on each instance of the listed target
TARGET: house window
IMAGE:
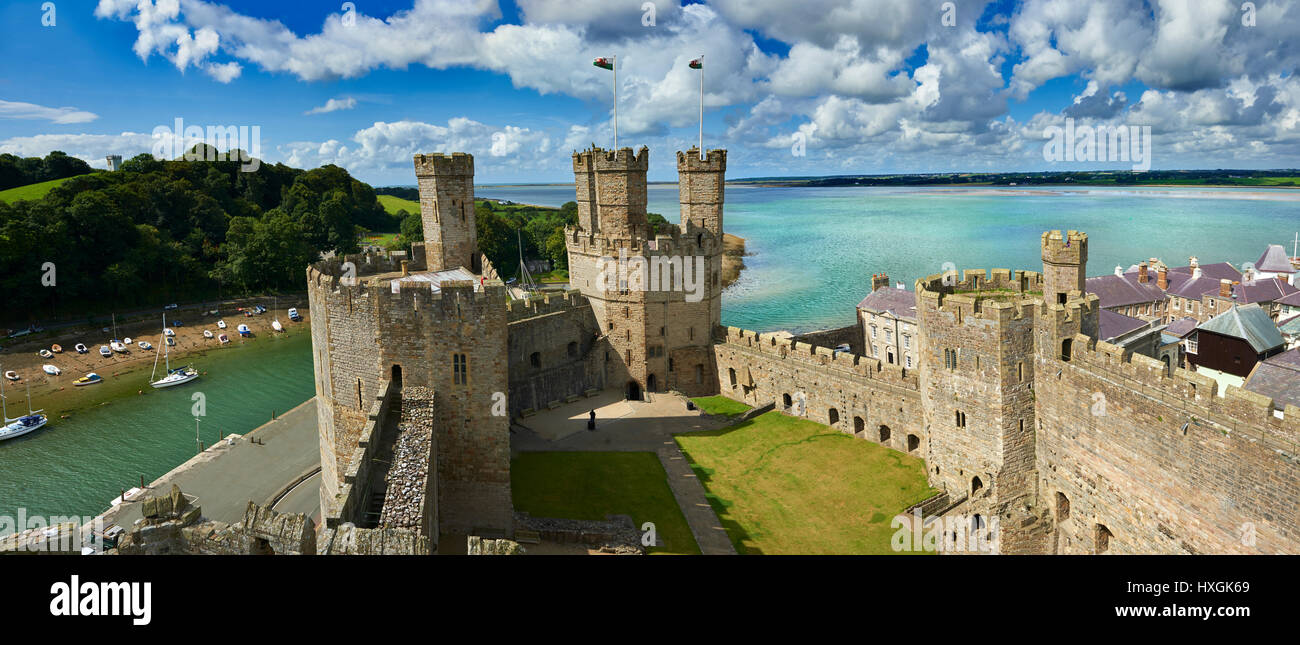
(907, 341)
(1192, 343)
(535, 359)
(873, 331)
(460, 373)
(909, 361)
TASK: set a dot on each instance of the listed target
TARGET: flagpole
(701, 106)
(615, 66)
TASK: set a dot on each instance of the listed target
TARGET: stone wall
(854, 394)
(446, 185)
(555, 351)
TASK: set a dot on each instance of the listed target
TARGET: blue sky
(859, 86)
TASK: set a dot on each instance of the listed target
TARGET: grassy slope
(30, 191)
(783, 485)
(394, 204)
(720, 406)
(591, 485)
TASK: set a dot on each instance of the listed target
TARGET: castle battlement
(621, 160)
(1068, 248)
(818, 357)
(1237, 412)
(693, 241)
(456, 163)
(547, 303)
(713, 161)
(999, 295)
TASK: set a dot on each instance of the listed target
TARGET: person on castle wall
(591, 421)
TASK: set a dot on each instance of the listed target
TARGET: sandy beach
(59, 396)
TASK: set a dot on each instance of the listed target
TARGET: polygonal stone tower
(700, 184)
(1065, 260)
(447, 210)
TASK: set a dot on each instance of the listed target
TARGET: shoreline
(125, 375)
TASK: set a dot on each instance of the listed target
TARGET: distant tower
(114, 162)
(700, 188)
(447, 210)
(1065, 261)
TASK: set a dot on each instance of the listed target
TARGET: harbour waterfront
(76, 466)
(812, 251)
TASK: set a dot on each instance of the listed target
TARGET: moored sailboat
(178, 376)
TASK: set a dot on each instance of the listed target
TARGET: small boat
(171, 341)
(89, 379)
(207, 334)
(275, 324)
(11, 375)
(178, 376)
(32, 422)
(81, 349)
(293, 315)
(45, 353)
(126, 341)
(117, 347)
(57, 349)
(105, 351)
(224, 339)
(169, 332)
(245, 331)
(221, 324)
(145, 345)
(52, 370)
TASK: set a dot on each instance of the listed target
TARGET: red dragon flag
(603, 63)
(697, 63)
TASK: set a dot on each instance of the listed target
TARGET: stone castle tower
(656, 295)
(447, 210)
(1065, 260)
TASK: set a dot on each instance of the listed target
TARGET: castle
(1073, 445)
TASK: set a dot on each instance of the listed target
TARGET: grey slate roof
(1292, 300)
(1278, 378)
(1266, 290)
(1218, 271)
(1117, 291)
(1181, 327)
(1193, 288)
(1249, 323)
(900, 302)
(1113, 325)
(1274, 260)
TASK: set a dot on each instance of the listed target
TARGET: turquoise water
(814, 249)
(76, 466)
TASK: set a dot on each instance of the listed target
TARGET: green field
(591, 485)
(393, 204)
(30, 191)
(720, 406)
(783, 485)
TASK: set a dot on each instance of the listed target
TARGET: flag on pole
(603, 63)
(697, 63)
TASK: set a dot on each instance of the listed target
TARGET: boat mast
(4, 403)
(162, 340)
(29, 400)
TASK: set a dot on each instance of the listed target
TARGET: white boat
(45, 353)
(178, 376)
(207, 334)
(275, 324)
(29, 423)
(117, 347)
(224, 339)
(169, 332)
(221, 324)
(52, 370)
(244, 330)
(81, 349)
(105, 351)
(293, 315)
(89, 379)
(11, 375)
(145, 345)
(126, 341)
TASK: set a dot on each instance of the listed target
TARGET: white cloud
(20, 110)
(334, 105)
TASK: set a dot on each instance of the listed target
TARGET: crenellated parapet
(689, 241)
(598, 159)
(820, 358)
(544, 304)
(446, 165)
(999, 295)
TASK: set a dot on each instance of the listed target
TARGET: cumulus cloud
(20, 110)
(334, 105)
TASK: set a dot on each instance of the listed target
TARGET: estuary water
(812, 253)
(813, 250)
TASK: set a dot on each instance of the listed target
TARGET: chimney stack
(1162, 278)
(1142, 273)
(879, 280)
(1192, 262)
(1119, 270)
(1196, 273)
(405, 269)
(1225, 288)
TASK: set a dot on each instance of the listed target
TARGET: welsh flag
(603, 63)
(697, 63)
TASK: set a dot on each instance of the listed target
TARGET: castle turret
(1065, 260)
(700, 187)
(447, 210)
(611, 191)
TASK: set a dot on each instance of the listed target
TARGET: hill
(30, 191)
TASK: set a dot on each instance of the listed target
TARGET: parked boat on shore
(105, 351)
(11, 375)
(224, 339)
(89, 379)
(221, 324)
(57, 349)
(207, 334)
(45, 353)
(52, 370)
(81, 349)
(20, 426)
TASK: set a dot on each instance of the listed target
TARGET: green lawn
(393, 204)
(720, 405)
(783, 485)
(591, 485)
(30, 191)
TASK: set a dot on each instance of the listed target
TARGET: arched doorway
(859, 424)
(833, 415)
(651, 385)
(1102, 536)
(913, 442)
(785, 400)
(633, 391)
(884, 433)
(1065, 349)
(396, 376)
(975, 485)
(1062, 507)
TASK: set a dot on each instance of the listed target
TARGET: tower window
(960, 419)
(535, 359)
(459, 369)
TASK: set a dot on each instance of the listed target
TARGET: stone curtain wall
(856, 387)
(563, 333)
(1228, 483)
